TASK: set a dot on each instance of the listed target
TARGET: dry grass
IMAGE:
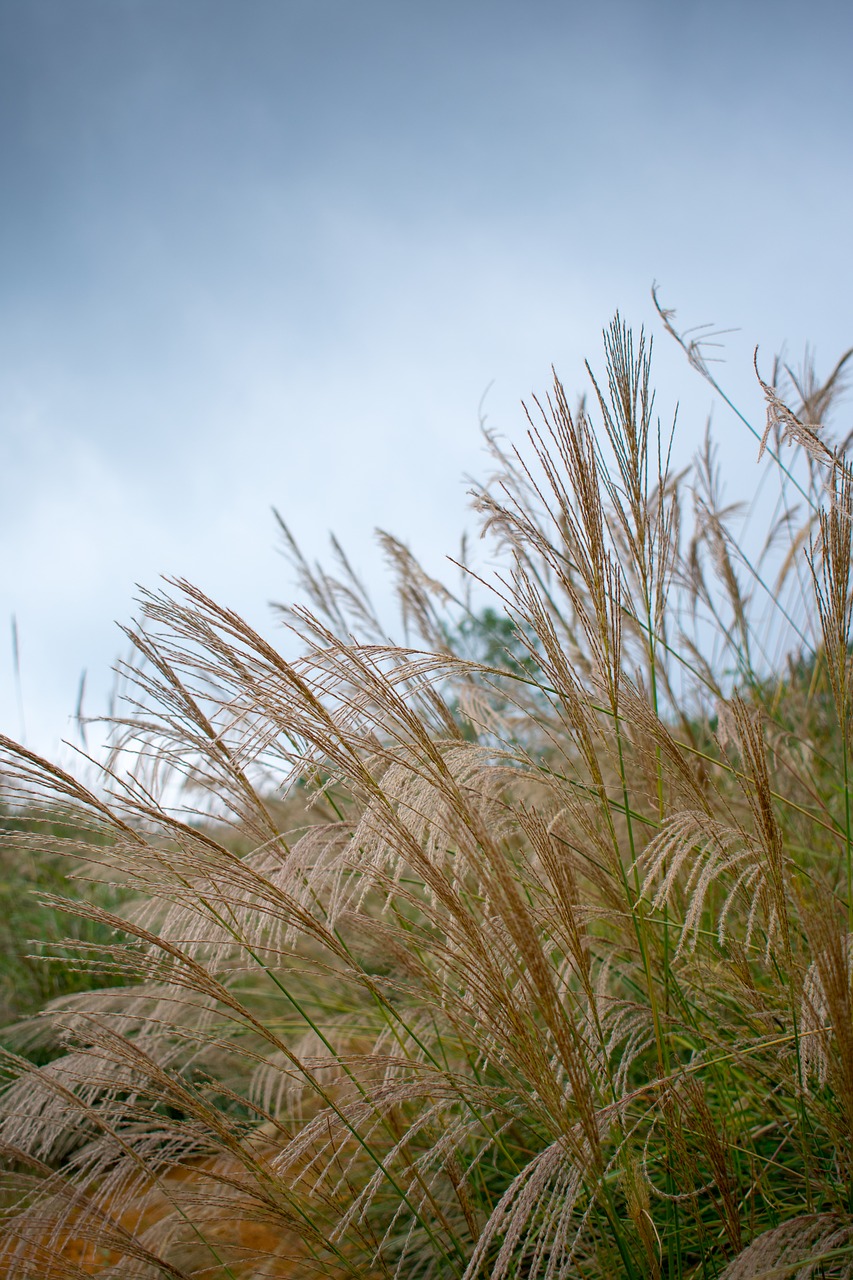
(556, 980)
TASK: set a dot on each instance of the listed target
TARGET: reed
(521, 950)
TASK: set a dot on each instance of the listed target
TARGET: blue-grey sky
(259, 252)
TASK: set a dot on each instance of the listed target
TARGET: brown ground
(253, 1251)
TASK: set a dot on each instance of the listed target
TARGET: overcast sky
(273, 252)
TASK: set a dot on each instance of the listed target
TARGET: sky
(260, 253)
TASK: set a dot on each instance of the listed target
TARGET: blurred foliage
(39, 942)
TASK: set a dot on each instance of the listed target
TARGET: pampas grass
(519, 951)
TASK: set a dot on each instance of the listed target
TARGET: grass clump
(35, 964)
(555, 979)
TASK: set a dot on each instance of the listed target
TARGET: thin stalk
(673, 1235)
(848, 831)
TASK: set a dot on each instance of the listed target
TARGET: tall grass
(521, 951)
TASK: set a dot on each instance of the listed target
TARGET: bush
(555, 981)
